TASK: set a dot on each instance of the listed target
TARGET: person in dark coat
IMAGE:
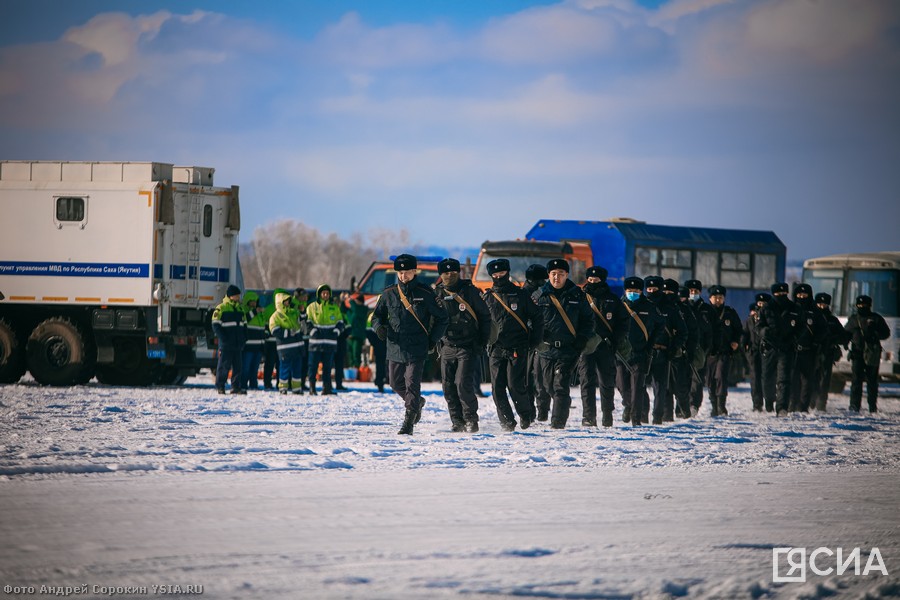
(812, 329)
(467, 334)
(867, 329)
(679, 388)
(517, 327)
(751, 342)
(412, 322)
(229, 325)
(778, 321)
(705, 317)
(836, 337)
(644, 331)
(599, 367)
(535, 278)
(568, 325)
(670, 345)
(727, 332)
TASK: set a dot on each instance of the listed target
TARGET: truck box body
(103, 235)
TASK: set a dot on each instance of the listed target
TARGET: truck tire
(56, 352)
(131, 365)
(171, 376)
(12, 360)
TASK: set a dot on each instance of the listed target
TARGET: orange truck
(524, 253)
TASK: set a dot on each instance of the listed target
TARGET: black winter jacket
(464, 330)
(510, 333)
(558, 340)
(601, 299)
(406, 340)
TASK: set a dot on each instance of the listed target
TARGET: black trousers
(558, 379)
(509, 371)
(406, 381)
(458, 383)
(717, 367)
(826, 367)
(777, 365)
(680, 387)
(631, 387)
(270, 364)
(538, 389)
(597, 368)
(659, 381)
(231, 358)
(754, 362)
(697, 383)
(863, 373)
(379, 348)
(804, 380)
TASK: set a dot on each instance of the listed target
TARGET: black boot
(419, 410)
(607, 419)
(408, 421)
(723, 412)
(626, 414)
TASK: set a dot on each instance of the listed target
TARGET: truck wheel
(171, 376)
(131, 365)
(56, 352)
(12, 361)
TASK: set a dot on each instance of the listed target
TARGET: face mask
(632, 296)
(694, 297)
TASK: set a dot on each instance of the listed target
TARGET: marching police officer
(409, 317)
(752, 345)
(867, 329)
(535, 278)
(777, 329)
(463, 342)
(679, 389)
(568, 325)
(727, 331)
(810, 337)
(836, 337)
(705, 317)
(643, 333)
(517, 327)
(611, 324)
(671, 343)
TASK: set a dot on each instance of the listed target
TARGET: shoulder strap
(563, 314)
(640, 323)
(593, 304)
(459, 299)
(509, 310)
(408, 306)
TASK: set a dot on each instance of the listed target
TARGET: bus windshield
(880, 285)
(828, 281)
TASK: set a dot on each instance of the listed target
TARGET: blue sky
(465, 121)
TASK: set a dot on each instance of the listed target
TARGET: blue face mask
(632, 296)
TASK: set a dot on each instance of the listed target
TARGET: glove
(381, 332)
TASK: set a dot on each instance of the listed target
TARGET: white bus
(846, 276)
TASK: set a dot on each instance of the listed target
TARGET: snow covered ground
(270, 496)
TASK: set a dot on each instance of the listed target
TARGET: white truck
(111, 269)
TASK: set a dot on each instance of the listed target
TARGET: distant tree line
(290, 254)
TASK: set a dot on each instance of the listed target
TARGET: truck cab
(523, 253)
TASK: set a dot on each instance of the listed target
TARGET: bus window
(645, 262)
(764, 271)
(736, 270)
(828, 281)
(881, 286)
(707, 268)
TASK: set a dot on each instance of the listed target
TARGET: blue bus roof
(661, 235)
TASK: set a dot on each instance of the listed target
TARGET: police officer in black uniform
(777, 329)
(727, 331)
(535, 278)
(835, 337)
(811, 331)
(611, 324)
(705, 317)
(752, 345)
(671, 343)
(679, 389)
(568, 325)
(644, 331)
(517, 327)
(867, 329)
(464, 340)
(409, 317)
